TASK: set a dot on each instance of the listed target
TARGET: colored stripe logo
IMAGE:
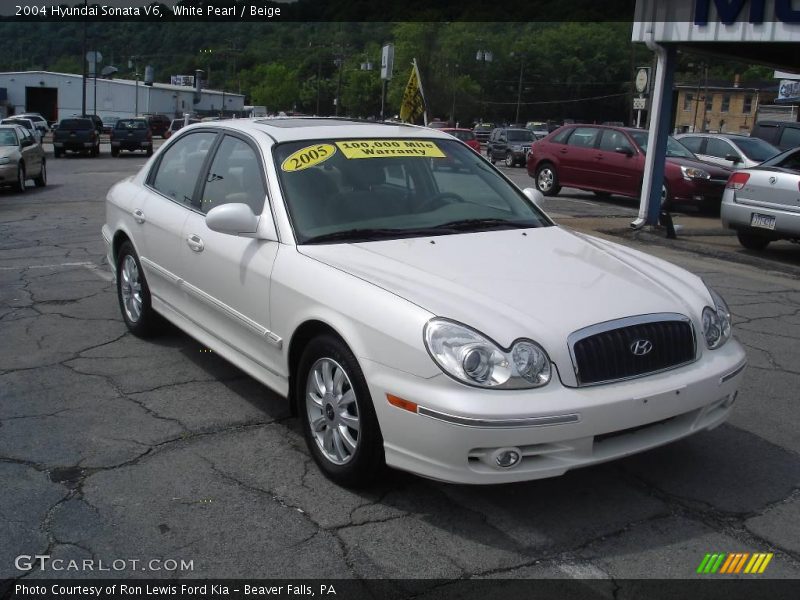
(734, 563)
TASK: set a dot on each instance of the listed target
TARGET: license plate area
(762, 221)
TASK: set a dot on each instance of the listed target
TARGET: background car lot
(109, 443)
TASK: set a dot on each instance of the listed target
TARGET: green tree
(274, 85)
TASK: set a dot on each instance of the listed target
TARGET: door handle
(599, 156)
(563, 151)
(138, 215)
(195, 243)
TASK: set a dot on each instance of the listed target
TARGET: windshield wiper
(480, 224)
(360, 234)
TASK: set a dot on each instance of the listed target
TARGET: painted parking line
(101, 271)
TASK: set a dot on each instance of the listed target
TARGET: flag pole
(422, 93)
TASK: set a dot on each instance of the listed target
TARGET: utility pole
(83, 82)
(519, 87)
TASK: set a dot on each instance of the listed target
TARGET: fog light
(507, 457)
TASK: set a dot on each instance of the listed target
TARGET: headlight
(694, 173)
(4, 160)
(474, 359)
(716, 322)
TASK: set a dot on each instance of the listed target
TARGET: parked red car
(465, 135)
(610, 160)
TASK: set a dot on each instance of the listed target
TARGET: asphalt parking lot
(116, 448)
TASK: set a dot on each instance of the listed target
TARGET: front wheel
(134, 294)
(509, 159)
(338, 418)
(41, 180)
(752, 241)
(21, 177)
(547, 180)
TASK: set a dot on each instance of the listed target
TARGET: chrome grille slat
(602, 353)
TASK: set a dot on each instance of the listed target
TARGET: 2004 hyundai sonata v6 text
(417, 308)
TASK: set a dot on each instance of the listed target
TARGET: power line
(558, 101)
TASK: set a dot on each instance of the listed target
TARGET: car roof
(288, 129)
(729, 136)
(8, 126)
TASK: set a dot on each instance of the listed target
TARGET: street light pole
(519, 87)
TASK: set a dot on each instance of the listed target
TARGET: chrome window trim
(591, 330)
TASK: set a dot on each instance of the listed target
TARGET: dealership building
(59, 95)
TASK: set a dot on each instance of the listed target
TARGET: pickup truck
(76, 134)
(132, 135)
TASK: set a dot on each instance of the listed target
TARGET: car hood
(539, 283)
(716, 171)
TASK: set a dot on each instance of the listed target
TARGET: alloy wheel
(131, 289)
(545, 180)
(332, 411)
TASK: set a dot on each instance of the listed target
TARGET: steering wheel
(439, 200)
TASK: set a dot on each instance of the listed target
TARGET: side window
(561, 137)
(719, 148)
(613, 139)
(584, 137)
(790, 137)
(235, 176)
(692, 143)
(792, 161)
(180, 166)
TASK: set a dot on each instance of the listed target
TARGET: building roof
(728, 86)
(156, 85)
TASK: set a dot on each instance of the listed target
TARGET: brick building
(719, 107)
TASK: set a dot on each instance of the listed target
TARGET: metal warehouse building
(59, 95)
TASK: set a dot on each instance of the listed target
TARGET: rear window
(520, 135)
(790, 137)
(131, 124)
(464, 136)
(787, 160)
(75, 124)
(756, 149)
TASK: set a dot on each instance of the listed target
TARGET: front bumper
(458, 431)
(696, 190)
(738, 216)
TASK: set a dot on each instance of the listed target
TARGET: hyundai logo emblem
(641, 347)
(773, 180)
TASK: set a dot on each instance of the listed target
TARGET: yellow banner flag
(413, 106)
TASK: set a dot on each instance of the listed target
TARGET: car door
(719, 150)
(160, 212)
(501, 145)
(577, 165)
(618, 165)
(227, 277)
(31, 153)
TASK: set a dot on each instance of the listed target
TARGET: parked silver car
(21, 158)
(728, 149)
(763, 203)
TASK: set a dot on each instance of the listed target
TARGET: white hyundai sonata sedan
(417, 309)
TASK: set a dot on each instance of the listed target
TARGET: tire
(149, 151)
(602, 195)
(547, 180)
(666, 203)
(752, 241)
(21, 177)
(134, 295)
(41, 180)
(96, 152)
(114, 153)
(345, 439)
(57, 153)
(510, 160)
(490, 155)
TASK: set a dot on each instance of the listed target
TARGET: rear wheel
(150, 151)
(752, 241)
(547, 180)
(114, 152)
(41, 180)
(338, 418)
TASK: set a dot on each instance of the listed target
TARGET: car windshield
(674, 148)
(370, 189)
(131, 124)
(8, 137)
(520, 135)
(756, 149)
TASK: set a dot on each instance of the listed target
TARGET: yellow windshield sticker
(308, 157)
(384, 148)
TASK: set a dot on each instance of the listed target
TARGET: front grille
(605, 352)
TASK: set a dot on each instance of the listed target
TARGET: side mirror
(624, 150)
(733, 158)
(534, 196)
(233, 219)
(27, 142)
